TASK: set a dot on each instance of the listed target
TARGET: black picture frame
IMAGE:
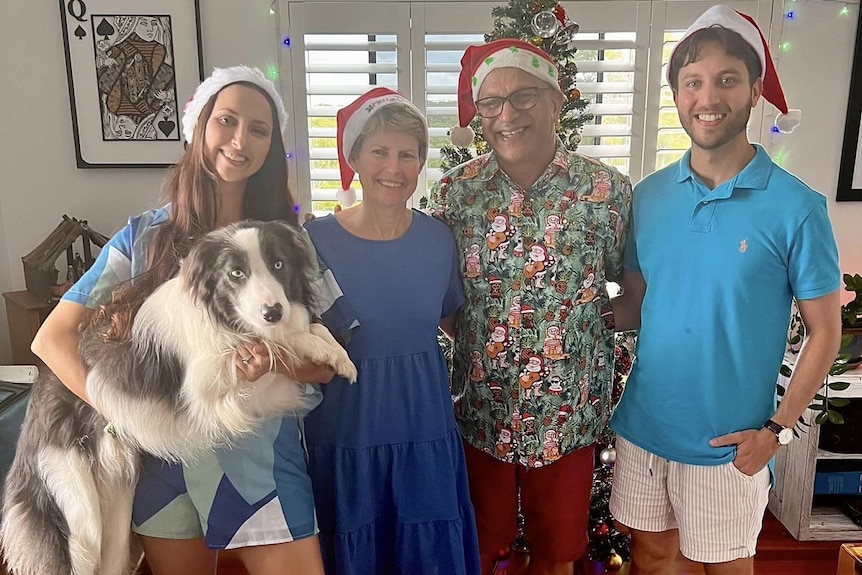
(130, 66)
(852, 148)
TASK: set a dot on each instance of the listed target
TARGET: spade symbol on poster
(80, 32)
(105, 29)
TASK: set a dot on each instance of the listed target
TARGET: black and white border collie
(172, 391)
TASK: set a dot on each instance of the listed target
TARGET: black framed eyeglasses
(521, 100)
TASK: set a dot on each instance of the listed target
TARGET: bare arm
(822, 319)
(447, 324)
(627, 306)
(56, 343)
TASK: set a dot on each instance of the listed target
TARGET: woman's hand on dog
(253, 361)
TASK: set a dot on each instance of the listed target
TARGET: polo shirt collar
(754, 176)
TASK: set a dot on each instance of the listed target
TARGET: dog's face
(249, 275)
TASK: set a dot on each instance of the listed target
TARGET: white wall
(38, 178)
(40, 182)
(815, 75)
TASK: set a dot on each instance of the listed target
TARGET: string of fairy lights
(793, 18)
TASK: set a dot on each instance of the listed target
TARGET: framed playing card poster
(131, 66)
(850, 168)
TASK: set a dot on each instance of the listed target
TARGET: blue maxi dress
(385, 454)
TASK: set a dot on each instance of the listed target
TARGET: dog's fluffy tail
(31, 539)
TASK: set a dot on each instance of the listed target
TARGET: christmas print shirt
(533, 357)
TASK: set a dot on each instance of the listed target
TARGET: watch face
(785, 435)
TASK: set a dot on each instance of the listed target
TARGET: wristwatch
(782, 434)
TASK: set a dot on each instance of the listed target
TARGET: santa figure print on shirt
(538, 265)
(515, 312)
(601, 189)
(532, 375)
(497, 346)
(516, 201)
(553, 225)
(504, 445)
(516, 419)
(587, 293)
(477, 371)
(498, 237)
(551, 446)
(473, 261)
(552, 348)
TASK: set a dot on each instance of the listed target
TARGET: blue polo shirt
(721, 267)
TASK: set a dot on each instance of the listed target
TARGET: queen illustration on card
(135, 74)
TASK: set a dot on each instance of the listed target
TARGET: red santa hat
(220, 79)
(351, 120)
(479, 61)
(745, 26)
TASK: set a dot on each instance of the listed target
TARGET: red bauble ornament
(602, 530)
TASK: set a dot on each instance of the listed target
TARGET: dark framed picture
(131, 66)
(850, 168)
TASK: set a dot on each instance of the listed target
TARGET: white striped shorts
(717, 509)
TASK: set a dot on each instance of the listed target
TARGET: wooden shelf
(823, 454)
(829, 524)
(791, 499)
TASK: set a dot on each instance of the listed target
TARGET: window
(341, 49)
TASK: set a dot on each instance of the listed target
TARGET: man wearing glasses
(533, 354)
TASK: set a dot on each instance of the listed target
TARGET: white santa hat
(745, 26)
(221, 78)
(479, 61)
(351, 121)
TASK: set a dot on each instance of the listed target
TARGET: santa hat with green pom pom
(744, 25)
(351, 120)
(479, 61)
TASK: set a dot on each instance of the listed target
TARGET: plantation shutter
(442, 31)
(338, 51)
(613, 46)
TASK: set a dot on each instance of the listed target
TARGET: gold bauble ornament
(614, 562)
(537, 41)
(574, 94)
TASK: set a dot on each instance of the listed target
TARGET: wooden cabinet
(25, 313)
(792, 498)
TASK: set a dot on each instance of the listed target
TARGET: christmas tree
(545, 24)
(608, 545)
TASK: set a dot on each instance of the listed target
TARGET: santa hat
(351, 122)
(745, 26)
(221, 78)
(479, 61)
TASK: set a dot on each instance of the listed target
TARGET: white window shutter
(339, 51)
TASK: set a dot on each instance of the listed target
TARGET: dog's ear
(302, 265)
(199, 264)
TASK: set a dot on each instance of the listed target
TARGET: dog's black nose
(271, 313)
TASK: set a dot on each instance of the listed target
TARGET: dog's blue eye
(237, 274)
(277, 265)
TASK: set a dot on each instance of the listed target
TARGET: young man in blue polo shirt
(720, 243)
